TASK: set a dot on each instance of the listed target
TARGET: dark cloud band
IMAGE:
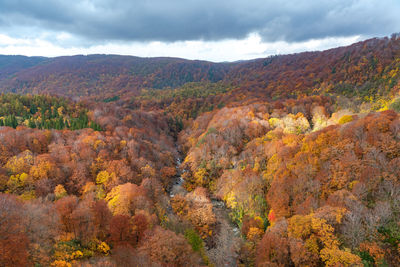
(178, 20)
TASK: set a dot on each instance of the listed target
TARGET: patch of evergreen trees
(43, 112)
(10, 121)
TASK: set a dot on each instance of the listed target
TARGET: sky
(214, 30)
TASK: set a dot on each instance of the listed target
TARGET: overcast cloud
(84, 25)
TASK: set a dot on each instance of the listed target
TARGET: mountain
(365, 68)
(10, 65)
(99, 74)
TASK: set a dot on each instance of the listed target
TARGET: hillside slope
(363, 69)
(10, 65)
(101, 74)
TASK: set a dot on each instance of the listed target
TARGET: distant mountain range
(364, 68)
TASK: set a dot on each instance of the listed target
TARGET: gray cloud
(178, 20)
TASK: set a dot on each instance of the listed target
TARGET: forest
(291, 160)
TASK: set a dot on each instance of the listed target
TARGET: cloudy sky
(216, 30)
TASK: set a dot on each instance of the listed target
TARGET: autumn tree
(121, 231)
(13, 239)
(167, 248)
(101, 218)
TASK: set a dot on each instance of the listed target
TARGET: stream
(227, 241)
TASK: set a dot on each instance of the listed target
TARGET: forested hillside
(291, 160)
(107, 74)
(365, 69)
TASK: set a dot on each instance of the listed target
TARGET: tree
(42, 226)
(125, 199)
(121, 231)
(21, 163)
(167, 174)
(196, 207)
(13, 239)
(273, 248)
(60, 191)
(317, 233)
(168, 249)
(65, 207)
(82, 221)
(101, 218)
(140, 224)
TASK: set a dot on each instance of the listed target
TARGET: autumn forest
(290, 160)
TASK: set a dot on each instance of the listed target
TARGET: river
(227, 239)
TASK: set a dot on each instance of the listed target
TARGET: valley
(290, 160)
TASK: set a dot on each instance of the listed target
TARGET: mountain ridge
(274, 76)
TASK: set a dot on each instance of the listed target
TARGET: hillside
(291, 160)
(102, 74)
(10, 65)
(362, 69)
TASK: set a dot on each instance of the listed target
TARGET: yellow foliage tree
(254, 234)
(319, 239)
(126, 198)
(20, 163)
(60, 191)
(103, 177)
(41, 170)
(336, 257)
(17, 182)
(200, 176)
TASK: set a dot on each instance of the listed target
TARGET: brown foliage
(65, 207)
(13, 239)
(168, 249)
(121, 231)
